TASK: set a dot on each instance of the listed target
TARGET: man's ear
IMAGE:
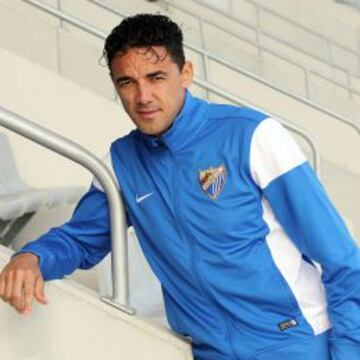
(187, 74)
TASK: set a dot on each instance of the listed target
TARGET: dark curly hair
(145, 31)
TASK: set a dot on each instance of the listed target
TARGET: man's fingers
(9, 278)
(2, 286)
(39, 291)
(28, 293)
(16, 296)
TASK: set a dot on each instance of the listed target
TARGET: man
(228, 213)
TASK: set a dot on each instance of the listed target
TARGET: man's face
(151, 87)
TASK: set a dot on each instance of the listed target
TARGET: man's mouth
(147, 113)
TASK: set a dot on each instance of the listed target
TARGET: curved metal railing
(74, 152)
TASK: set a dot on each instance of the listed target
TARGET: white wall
(77, 325)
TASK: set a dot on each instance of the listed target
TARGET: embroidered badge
(212, 181)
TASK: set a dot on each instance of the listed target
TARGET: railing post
(358, 31)
(258, 42)
(231, 6)
(204, 56)
(59, 68)
(330, 53)
(307, 82)
(349, 83)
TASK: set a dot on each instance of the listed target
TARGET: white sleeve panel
(107, 160)
(273, 152)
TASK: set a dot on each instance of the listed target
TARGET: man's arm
(80, 243)
(302, 207)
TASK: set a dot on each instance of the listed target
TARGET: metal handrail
(302, 27)
(207, 55)
(76, 153)
(307, 71)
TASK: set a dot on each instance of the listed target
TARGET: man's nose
(144, 94)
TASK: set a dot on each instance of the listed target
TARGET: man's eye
(124, 83)
(157, 78)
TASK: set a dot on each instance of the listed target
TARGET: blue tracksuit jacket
(254, 261)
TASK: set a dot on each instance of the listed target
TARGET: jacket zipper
(195, 257)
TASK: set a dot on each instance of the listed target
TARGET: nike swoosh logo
(142, 198)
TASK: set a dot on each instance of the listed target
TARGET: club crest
(212, 181)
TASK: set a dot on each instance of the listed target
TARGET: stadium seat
(19, 201)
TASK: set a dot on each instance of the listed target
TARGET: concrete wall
(77, 325)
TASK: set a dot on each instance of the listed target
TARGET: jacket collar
(184, 129)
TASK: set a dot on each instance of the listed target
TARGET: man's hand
(21, 281)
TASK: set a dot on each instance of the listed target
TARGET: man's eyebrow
(151, 75)
(156, 73)
(122, 78)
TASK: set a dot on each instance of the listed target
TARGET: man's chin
(147, 130)
(156, 132)
(152, 132)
